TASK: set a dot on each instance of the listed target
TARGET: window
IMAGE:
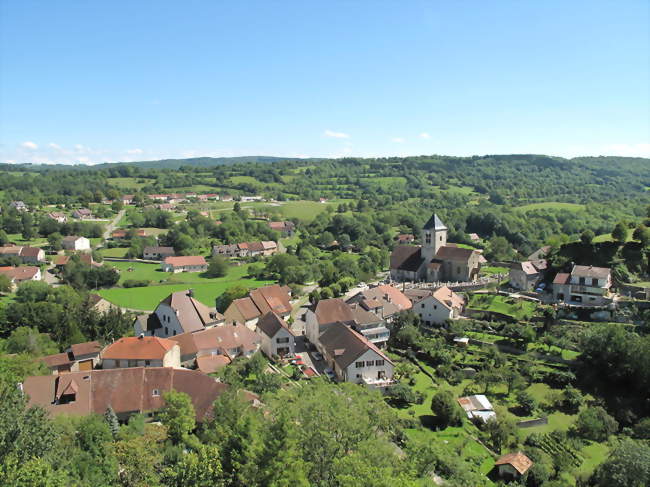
(457, 270)
(133, 363)
(441, 238)
(147, 363)
(155, 393)
(358, 376)
(282, 340)
(358, 365)
(582, 281)
(117, 363)
(435, 306)
(422, 305)
(427, 237)
(379, 363)
(594, 282)
(166, 331)
(174, 332)
(370, 363)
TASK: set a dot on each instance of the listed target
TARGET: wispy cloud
(336, 135)
(398, 140)
(29, 145)
(54, 146)
(425, 135)
(134, 151)
(629, 150)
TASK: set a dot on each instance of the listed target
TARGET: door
(86, 364)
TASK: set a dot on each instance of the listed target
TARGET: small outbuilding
(513, 465)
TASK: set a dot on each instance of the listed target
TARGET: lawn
(607, 237)
(551, 205)
(146, 298)
(18, 239)
(127, 183)
(117, 252)
(517, 309)
(493, 270)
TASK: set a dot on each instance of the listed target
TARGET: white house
(437, 307)
(73, 242)
(277, 339)
(187, 263)
(141, 351)
(17, 275)
(354, 358)
(584, 286)
(178, 313)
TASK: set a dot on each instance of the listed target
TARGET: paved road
(110, 227)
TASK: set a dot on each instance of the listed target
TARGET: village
(377, 335)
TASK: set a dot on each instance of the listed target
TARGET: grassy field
(491, 270)
(607, 237)
(127, 183)
(146, 298)
(551, 205)
(117, 252)
(517, 309)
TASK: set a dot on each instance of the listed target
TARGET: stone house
(526, 275)
(584, 286)
(141, 351)
(79, 357)
(260, 301)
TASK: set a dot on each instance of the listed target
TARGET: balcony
(376, 335)
(378, 383)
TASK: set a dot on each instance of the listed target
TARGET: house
(277, 339)
(584, 286)
(18, 205)
(60, 261)
(513, 465)
(286, 228)
(246, 249)
(127, 199)
(322, 200)
(57, 217)
(73, 242)
(526, 275)
(121, 233)
(434, 260)
(82, 214)
(141, 351)
(27, 255)
(186, 263)
(477, 407)
(18, 275)
(100, 304)
(540, 253)
(226, 197)
(474, 237)
(79, 357)
(260, 301)
(229, 341)
(246, 199)
(158, 197)
(391, 300)
(231, 250)
(436, 307)
(127, 391)
(166, 207)
(157, 253)
(368, 321)
(178, 313)
(405, 238)
(354, 358)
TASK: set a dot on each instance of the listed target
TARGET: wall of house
(124, 363)
(168, 320)
(432, 311)
(270, 345)
(402, 275)
(507, 471)
(520, 280)
(173, 357)
(311, 327)
(369, 371)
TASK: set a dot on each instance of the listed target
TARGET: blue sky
(114, 81)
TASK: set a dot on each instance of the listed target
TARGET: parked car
(317, 356)
(330, 374)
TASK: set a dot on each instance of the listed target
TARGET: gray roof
(271, 323)
(406, 257)
(435, 223)
(590, 271)
(345, 345)
(191, 314)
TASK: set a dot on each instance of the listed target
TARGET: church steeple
(434, 236)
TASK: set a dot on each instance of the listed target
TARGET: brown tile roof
(23, 273)
(86, 348)
(561, 278)
(71, 238)
(540, 253)
(345, 345)
(125, 390)
(246, 308)
(416, 294)
(518, 460)
(362, 316)
(406, 257)
(191, 314)
(271, 323)
(255, 246)
(30, 251)
(212, 363)
(394, 295)
(186, 260)
(10, 250)
(271, 298)
(223, 337)
(58, 359)
(590, 271)
(269, 245)
(454, 253)
(448, 297)
(333, 310)
(139, 348)
(159, 250)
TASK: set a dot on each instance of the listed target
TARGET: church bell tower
(434, 236)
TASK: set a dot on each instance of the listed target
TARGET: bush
(135, 283)
(595, 424)
(447, 411)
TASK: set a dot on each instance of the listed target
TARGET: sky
(88, 82)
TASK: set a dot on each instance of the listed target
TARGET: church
(435, 260)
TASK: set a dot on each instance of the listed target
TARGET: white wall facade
(270, 345)
(170, 325)
(369, 370)
(432, 312)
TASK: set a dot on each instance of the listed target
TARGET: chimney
(387, 297)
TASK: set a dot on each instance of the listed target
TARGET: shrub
(135, 283)
(595, 424)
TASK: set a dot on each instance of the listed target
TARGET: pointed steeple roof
(435, 223)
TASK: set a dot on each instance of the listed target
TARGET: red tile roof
(561, 278)
(186, 260)
(518, 460)
(139, 348)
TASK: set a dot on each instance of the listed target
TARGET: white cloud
(336, 135)
(425, 135)
(398, 140)
(54, 146)
(29, 145)
(79, 148)
(134, 151)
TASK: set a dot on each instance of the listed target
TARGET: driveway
(111, 226)
(308, 356)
